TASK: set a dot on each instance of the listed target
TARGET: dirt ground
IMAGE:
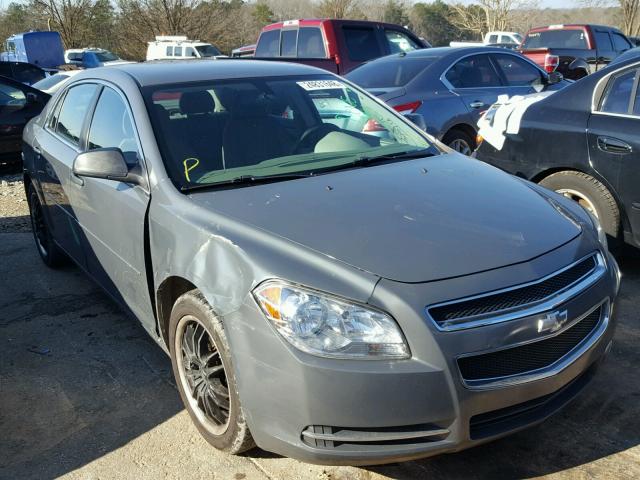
(85, 394)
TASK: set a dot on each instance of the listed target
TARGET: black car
(22, 71)
(19, 103)
(584, 143)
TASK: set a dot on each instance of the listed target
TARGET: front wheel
(204, 374)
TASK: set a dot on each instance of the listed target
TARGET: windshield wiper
(368, 160)
(246, 179)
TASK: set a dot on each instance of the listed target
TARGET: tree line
(125, 26)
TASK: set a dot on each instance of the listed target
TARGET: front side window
(74, 109)
(475, 71)
(620, 43)
(106, 56)
(310, 43)
(111, 126)
(268, 44)
(617, 97)
(288, 43)
(517, 71)
(216, 132)
(399, 42)
(493, 38)
(12, 99)
(362, 43)
(190, 52)
(208, 51)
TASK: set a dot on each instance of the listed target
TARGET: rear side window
(618, 94)
(620, 43)
(400, 42)
(74, 109)
(268, 44)
(517, 72)
(169, 51)
(389, 72)
(362, 43)
(603, 42)
(570, 38)
(493, 38)
(310, 43)
(288, 43)
(111, 126)
(473, 72)
(177, 52)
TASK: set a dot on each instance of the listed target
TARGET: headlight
(323, 325)
(602, 236)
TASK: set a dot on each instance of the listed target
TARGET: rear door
(361, 43)
(112, 213)
(614, 142)
(604, 47)
(475, 80)
(56, 147)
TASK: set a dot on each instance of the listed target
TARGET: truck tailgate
(536, 55)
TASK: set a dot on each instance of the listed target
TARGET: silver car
(324, 293)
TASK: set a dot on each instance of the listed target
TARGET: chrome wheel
(461, 146)
(38, 224)
(202, 375)
(579, 198)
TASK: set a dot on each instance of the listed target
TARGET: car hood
(409, 221)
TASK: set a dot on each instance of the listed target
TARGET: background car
(22, 72)
(19, 103)
(451, 87)
(53, 83)
(584, 143)
(92, 57)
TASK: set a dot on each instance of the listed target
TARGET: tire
(459, 140)
(50, 253)
(591, 194)
(203, 394)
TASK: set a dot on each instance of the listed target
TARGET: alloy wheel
(579, 198)
(461, 146)
(202, 375)
(38, 225)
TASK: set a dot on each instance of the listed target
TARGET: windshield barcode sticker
(321, 84)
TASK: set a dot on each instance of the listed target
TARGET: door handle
(614, 145)
(76, 179)
(476, 104)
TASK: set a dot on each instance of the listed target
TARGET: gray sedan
(452, 87)
(323, 293)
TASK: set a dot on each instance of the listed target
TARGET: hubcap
(202, 375)
(579, 198)
(38, 226)
(459, 145)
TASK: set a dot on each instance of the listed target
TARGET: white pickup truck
(493, 38)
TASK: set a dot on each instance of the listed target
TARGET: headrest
(193, 103)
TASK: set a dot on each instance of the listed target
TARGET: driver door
(112, 213)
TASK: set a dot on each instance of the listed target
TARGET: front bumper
(367, 412)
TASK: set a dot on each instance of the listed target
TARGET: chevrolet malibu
(323, 293)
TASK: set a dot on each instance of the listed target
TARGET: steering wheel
(313, 135)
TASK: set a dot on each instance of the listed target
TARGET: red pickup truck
(574, 50)
(335, 45)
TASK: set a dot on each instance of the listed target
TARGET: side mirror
(554, 77)
(417, 119)
(106, 163)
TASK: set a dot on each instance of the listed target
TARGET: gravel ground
(14, 209)
(86, 394)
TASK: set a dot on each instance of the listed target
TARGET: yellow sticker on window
(189, 164)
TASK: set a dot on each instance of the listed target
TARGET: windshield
(48, 82)
(220, 131)
(392, 71)
(106, 56)
(208, 51)
(569, 38)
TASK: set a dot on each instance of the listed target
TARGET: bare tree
(487, 15)
(629, 13)
(338, 8)
(72, 18)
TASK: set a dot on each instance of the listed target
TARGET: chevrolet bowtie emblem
(553, 321)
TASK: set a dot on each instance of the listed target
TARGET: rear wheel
(460, 141)
(591, 194)
(205, 375)
(49, 252)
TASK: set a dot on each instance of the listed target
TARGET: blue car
(452, 87)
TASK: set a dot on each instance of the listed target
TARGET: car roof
(180, 71)
(443, 52)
